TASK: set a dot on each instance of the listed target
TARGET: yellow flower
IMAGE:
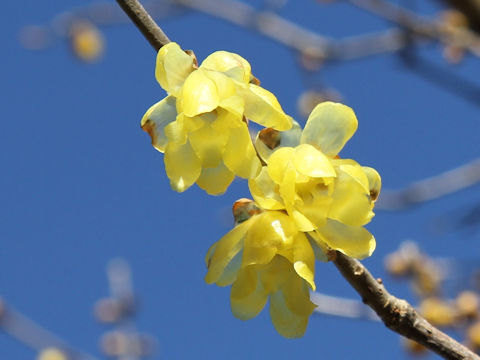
(328, 197)
(201, 125)
(265, 257)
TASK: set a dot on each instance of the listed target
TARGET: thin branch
(421, 26)
(144, 22)
(398, 315)
(431, 188)
(341, 307)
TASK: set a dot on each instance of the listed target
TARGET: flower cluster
(201, 125)
(307, 200)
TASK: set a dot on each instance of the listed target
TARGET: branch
(144, 22)
(398, 315)
(431, 188)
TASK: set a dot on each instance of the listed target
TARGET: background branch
(398, 315)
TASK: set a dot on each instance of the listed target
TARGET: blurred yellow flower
(201, 125)
(329, 198)
(266, 257)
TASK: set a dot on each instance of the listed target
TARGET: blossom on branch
(328, 197)
(266, 257)
(201, 125)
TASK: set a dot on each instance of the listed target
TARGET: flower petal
(374, 182)
(232, 65)
(290, 308)
(215, 181)
(224, 251)
(240, 156)
(262, 107)
(351, 197)
(248, 296)
(182, 165)
(279, 162)
(329, 127)
(209, 145)
(311, 162)
(199, 95)
(304, 259)
(156, 118)
(173, 67)
(354, 241)
(265, 191)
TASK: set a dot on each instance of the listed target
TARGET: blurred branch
(431, 188)
(33, 335)
(144, 22)
(337, 306)
(398, 315)
(420, 25)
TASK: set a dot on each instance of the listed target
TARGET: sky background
(81, 184)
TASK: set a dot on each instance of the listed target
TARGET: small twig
(397, 314)
(431, 188)
(144, 22)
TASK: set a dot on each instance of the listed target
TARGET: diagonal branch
(397, 314)
(144, 22)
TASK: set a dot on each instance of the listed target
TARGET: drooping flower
(329, 198)
(201, 125)
(266, 257)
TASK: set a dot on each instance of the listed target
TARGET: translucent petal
(304, 259)
(225, 250)
(329, 127)
(289, 138)
(311, 162)
(182, 165)
(173, 67)
(262, 107)
(318, 246)
(265, 191)
(175, 131)
(272, 230)
(215, 181)
(230, 273)
(247, 296)
(354, 241)
(232, 65)
(155, 120)
(374, 181)
(199, 94)
(209, 145)
(279, 162)
(351, 201)
(240, 156)
(286, 320)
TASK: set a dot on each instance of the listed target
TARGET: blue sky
(81, 183)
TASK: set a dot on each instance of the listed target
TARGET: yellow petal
(329, 127)
(156, 118)
(374, 181)
(265, 191)
(290, 308)
(262, 107)
(311, 162)
(271, 231)
(224, 251)
(232, 65)
(215, 181)
(354, 241)
(182, 165)
(279, 162)
(199, 95)
(240, 156)
(209, 145)
(247, 296)
(304, 259)
(351, 200)
(173, 67)
(175, 131)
